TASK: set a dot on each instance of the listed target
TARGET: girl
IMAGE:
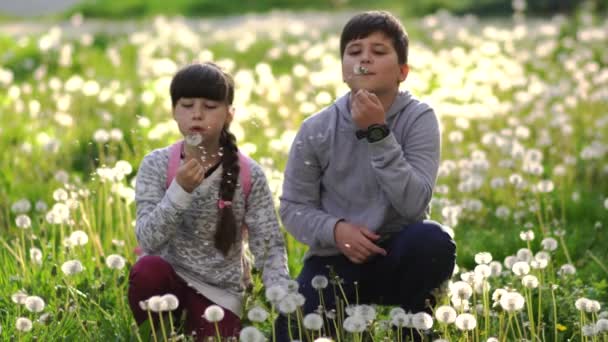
(189, 227)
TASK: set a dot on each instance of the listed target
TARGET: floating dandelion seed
(194, 139)
(34, 304)
(23, 324)
(214, 313)
(115, 261)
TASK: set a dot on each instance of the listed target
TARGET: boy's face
(377, 58)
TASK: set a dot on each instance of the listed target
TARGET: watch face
(376, 134)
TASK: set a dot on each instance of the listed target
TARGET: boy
(359, 179)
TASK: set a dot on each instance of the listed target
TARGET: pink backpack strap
(245, 175)
(175, 152)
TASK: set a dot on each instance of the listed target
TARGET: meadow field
(523, 106)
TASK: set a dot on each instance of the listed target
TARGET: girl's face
(202, 116)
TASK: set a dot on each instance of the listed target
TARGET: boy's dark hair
(366, 23)
(209, 81)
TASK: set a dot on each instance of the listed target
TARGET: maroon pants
(152, 275)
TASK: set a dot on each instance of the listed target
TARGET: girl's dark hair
(366, 23)
(207, 80)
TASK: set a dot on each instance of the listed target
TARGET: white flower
(445, 314)
(124, 167)
(171, 301)
(23, 324)
(524, 254)
(21, 206)
(23, 221)
(101, 136)
(549, 244)
(274, 294)
(567, 269)
(214, 313)
(34, 304)
(530, 281)
(292, 286)
(492, 339)
(589, 330)
(115, 261)
(257, 314)
(461, 290)
(510, 261)
(79, 238)
(606, 203)
(319, 282)
(251, 334)
(36, 255)
(323, 339)
(156, 304)
(527, 235)
(581, 304)
(483, 258)
(465, 322)
(354, 324)
(19, 297)
(367, 312)
(422, 321)
(602, 325)
(313, 321)
(71, 267)
(401, 320)
(395, 311)
(521, 268)
(512, 301)
(288, 304)
(41, 206)
(483, 271)
(593, 306)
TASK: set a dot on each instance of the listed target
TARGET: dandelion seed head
(422, 321)
(319, 282)
(483, 271)
(461, 289)
(465, 322)
(23, 221)
(512, 301)
(115, 261)
(214, 313)
(530, 281)
(483, 258)
(521, 268)
(602, 325)
(445, 314)
(589, 330)
(524, 254)
(171, 301)
(36, 255)
(251, 334)
(567, 269)
(395, 311)
(274, 294)
(72, 267)
(22, 206)
(313, 321)
(495, 268)
(549, 244)
(19, 297)
(510, 261)
(23, 324)
(34, 304)
(79, 238)
(288, 304)
(292, 286)
(354, 324)
(257, 314)
(527, 235)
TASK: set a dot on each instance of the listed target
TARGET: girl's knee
(150, 268)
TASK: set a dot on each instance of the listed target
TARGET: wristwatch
(377, 132)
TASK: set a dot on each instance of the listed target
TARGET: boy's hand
(366, 109)
(190, 175)
(356, 242)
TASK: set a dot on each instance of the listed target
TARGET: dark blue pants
(419, 258)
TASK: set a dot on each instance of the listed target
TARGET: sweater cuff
(328, 236)
(379, 149)
(178, 196)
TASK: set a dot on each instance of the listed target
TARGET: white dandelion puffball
(171, 301)
(567, 269)
(521, 268)
(602, 325)
(527, 235)
(313, 321)
(465, 322)
(251, 334)
(492, 339)
(589, 330)
(483, 258)
(606, 203)
(354, 324)
(402, 320)
(323, 339)
(422, 321)
(79, 238)
(71, 267)
(23, 221)
(495, 268)
(292, 286)
(288, 304)
(367, 312)
(214, 313)
(445, 314)
(549, 244)
(257, 314)
(395, 311)
(23, 324)
(19, 297)
(115, 261)
(193, 139)
(319, 282)
(36, 255)
(530, 281)
(156, 304)
(524, 254)
(360, 70)
(461, 289)
(512, 301)
(275, 294)
(34, 304)
(483, 271)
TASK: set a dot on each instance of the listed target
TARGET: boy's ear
(404, 69)
(230, 115)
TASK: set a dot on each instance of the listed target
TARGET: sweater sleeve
(300, 207)
(407, 174)
(266, 240)
(158, 211)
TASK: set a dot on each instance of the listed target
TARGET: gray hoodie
(332, 176)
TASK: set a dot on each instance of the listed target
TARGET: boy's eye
(354, 52)
(187, 105)
(210, 106)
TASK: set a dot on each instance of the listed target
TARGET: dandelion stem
(529, 305)
(162, 325)
(152, 326)
(602, 266)
(217, 332)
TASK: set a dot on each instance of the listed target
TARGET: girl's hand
(190, 175)
(356, 242)
(366, 109)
